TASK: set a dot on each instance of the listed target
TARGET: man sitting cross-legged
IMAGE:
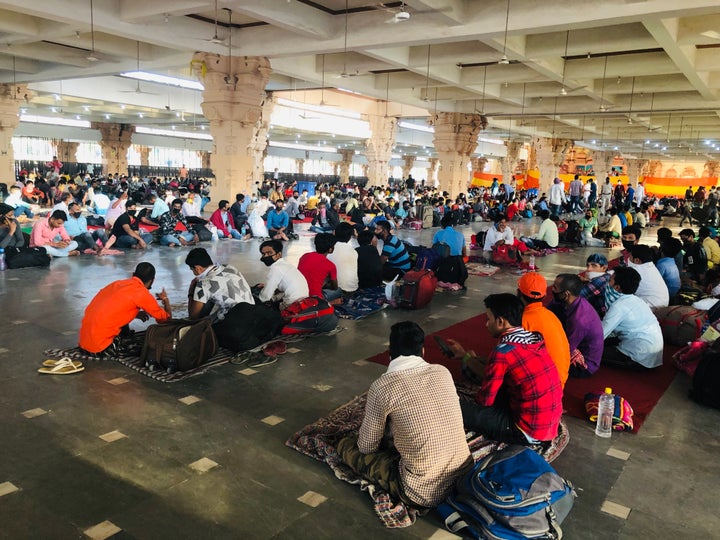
(520, 400)
(417, 402)
(108, 315)
(285, 284)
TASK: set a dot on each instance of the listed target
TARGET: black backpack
(26, 257)
(706, 380)
(246, 326)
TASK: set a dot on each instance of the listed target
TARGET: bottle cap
(608, 390)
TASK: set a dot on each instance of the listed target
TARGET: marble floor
(109, 452)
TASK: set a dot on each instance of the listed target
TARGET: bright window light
(416, 127)
(171, 133)
(163, 79)
(32, 119)
(317, 120)
(491, 141)
(295, 146)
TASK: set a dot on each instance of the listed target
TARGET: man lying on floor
(520, 400)
(426, 451)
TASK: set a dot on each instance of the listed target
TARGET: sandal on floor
(274, 348)
(258, 360)
(64, 366)
(240, 358)
(52, 363)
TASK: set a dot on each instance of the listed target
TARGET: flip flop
(64, 366)
(53, 363)
(274, 348)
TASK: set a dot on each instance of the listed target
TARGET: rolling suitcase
(418, 289)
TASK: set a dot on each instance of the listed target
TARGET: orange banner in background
(675, 187)
(522, 181)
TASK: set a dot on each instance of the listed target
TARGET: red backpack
(309, 315)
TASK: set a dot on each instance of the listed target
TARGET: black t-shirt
(370, 267)
(124, 219)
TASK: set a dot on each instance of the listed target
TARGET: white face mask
(593, 275)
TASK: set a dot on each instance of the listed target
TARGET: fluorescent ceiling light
(52, 120)
(173, 133)
(492, 141)
(416, 127)
(294, 146)
(163, 79)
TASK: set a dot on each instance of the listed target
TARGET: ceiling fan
(504, 60)
(344, 74)
(215, 38)
(138, 90)
(563, 89)
(604, 107)
(401, 14)
(94, 56)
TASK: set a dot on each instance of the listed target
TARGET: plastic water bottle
(531, 263)
(3, 264)
(606, 408)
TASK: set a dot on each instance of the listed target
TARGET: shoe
(274, 348)
(260, 360)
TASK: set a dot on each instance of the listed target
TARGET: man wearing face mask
(695, 259)
(497, 235)
(277, 223)
(126, 230)
(321, 220)
(582, 325)
(395, 258)
(652, 286)
(630, 237)
(76, 227)
(588, 227)
(169, 235)
(283, 278)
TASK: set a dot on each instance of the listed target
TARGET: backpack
(427, 217)
(511, 494)
(309, 315)
(442, 249)
(504, 254)
(178, 345)
(427, 259)
(245, 326)
(706, 380)
(26, 257)
(681, 324)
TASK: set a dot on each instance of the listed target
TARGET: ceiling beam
(294, 16)
(449, 12)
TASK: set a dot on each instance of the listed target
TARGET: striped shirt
(397, 255)
(421, 405)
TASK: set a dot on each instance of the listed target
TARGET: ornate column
(634, 169)
(206, 160)
(478, 163)
(66, 151)
(259, 141)
(711, 169)
(510, 161)
(144, 155)
(456, 138)
(366, 170)
(11, 97)
(116, 139)
(408, 162)
(432, 171)
(344, 165)
(547, 155)
(378, 148)
(233, 101)
(300, 165)
(602, 163)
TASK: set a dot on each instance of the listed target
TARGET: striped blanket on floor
(132, 360)
(319, 439)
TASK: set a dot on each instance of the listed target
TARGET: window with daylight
(174, 157)
(318, 166)
(282, 164)
(133, 155)
(89, 152)
(32, 149)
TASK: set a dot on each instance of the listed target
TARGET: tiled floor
(205, 458)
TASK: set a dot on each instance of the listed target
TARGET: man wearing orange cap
(532, 288)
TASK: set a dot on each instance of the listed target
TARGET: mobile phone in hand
(443, 346)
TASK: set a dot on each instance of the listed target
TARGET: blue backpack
(511, 494)
(428, 259)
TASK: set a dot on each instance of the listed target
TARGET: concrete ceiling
(641, 75)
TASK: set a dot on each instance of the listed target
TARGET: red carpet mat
(641, 389)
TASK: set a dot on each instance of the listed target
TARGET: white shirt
(493, 235)
(405, 362)
(263, 205)
(61, 206)
(15, 200)
(639, 194)
(652, 287)
(557, 193)
(284, 277)
(101, 201)
(190, 209)
(113, 213)
(345, 258)
(631, 319)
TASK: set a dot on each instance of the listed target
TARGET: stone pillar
(602, 163)
(66, 151)
(233, 101)
(144, 156)
(408, 162)
(116, 139)
(366, 171)
(456, 138)
(344, 165)
(259, 141)
(432, 171)
(11, 97)
(478, 164)
(378, 148)
(300, 165)
(510, 161)
(206, 159)
(634, 169)
(547, 155)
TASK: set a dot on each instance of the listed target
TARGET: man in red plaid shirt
(520, 400)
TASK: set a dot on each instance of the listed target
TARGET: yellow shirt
(312, 203)
(712, 249)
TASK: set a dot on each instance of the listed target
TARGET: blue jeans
(127, 241)
(168, 239)
(235, 234)
(20, 210)
(332, 294)
(61, 252)
(318, 229)
(87, 239)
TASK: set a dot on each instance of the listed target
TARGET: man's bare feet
(74, 253)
